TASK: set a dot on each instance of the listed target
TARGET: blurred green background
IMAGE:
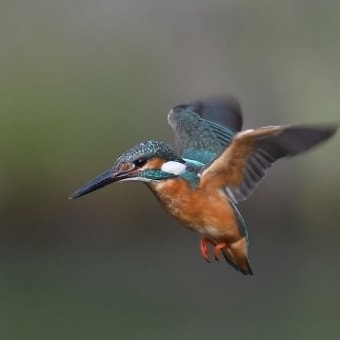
(80, 82)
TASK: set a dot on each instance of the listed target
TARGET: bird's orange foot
(204, 248)
(217, 250)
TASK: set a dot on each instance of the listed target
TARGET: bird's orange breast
(201, 209)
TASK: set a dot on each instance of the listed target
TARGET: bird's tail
(236, 256)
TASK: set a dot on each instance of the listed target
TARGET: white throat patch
(172, 167)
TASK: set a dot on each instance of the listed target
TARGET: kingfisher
(214, 166)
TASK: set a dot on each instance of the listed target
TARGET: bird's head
(146, 162)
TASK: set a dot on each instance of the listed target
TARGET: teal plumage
(199, 138)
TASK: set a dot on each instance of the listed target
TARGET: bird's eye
(140, 162)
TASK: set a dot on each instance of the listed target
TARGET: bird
(214, 166)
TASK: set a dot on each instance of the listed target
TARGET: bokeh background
(80, 82)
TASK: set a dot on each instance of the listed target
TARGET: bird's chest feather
(208, 213)
(177, 198)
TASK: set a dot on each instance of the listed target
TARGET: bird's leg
(217, 249)
(204, 248)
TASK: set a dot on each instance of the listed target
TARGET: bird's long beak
(107, 177)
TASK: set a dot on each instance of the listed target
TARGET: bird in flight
(214, 167)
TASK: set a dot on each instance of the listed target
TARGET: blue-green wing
(203, 128)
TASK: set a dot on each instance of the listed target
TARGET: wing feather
(242, 164)
(204, 128)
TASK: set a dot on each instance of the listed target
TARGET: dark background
(80, 82)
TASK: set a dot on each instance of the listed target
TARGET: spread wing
(242, 164)
(203, 128)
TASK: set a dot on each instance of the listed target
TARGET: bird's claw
(217, 250)
(204, 248)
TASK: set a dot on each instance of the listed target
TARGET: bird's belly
(210, 215)
(209, 227)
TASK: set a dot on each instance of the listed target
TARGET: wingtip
(333, 128)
